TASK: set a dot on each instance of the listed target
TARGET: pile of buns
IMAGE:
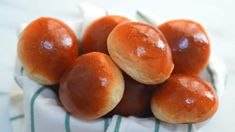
(122, 67)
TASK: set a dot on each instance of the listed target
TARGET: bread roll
(92, 87)
(184, 98)
(141, 51)
(136, 99)
(95, 37)
(189, 44)
(46, 48)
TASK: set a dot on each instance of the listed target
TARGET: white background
(218, 17)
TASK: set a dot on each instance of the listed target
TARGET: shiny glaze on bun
(189, 44)
(46, 48)
(92, 87)
(141, 51)
(95, 37)
(184, 98)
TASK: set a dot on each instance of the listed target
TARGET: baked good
(136, 99)
(95, 37)
(189, 44)
(92, 87)
(184, 98)
(141, 51)
(46, 48)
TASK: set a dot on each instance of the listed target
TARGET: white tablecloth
(217, 17)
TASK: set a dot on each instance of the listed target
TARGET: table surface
(217, 17)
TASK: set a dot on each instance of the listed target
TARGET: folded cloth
(43, 112)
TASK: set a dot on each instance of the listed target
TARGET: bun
(136, 99)
(184, 99)
(95, 37)
(141, 51)
(92, 87)
(46, 48)
(189, 44)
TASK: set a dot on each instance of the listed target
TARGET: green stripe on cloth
(21, 71)
(118, 123)
(189, 127)
(210, 72)
(143, 17)
(18, 82)
(106, 124)
(67, 122)
(157, 125)
(17, 117)
(32, 102)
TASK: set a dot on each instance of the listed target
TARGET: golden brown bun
(136, 99)
(189, 43)
(46, 48)
(141, 51)
(95, 37)
(92, 87)
(184, 99)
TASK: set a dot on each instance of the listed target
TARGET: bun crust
(184, 99)
(92, 87)
(189, 44)
(136, 99)
(46, 48)
(141, 51)
(95, 37)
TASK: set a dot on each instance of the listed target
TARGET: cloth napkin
(42, 111)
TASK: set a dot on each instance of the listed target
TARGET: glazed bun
(95, 37)
(189, 43)
(92, 87)
(46, 48)
(136, 99)
(141, 51)
(184, 99)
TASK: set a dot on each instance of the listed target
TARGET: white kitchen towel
(43, 112)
